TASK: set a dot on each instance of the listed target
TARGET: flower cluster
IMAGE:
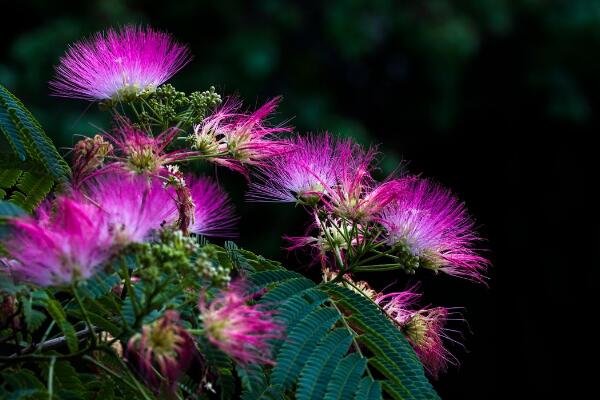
(420, 223)
(123, 235)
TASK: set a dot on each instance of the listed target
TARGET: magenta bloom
(163, 351)
(430, 224)
(356, 195)
(139, 152)
(118, 64)
(214, 213)
(424, 328)
(240, 330)
(133, 206)
(235, 140)
(59, 247)
(300, 175)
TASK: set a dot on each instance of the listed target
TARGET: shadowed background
(496, 99)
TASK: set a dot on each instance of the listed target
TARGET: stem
(109, 371)
(130, 290)
(378, 267)
(354, 334)
(51, 378)
(86, 317)
(137, 384)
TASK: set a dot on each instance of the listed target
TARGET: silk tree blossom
(89, 155)
(163, 351)
(433, 230)
(133, 206)
(302, 174)
(142, 153)
(214, 214)
(60, 246)
(423, 327)
(236, 140)
(356, 195)
(240, 330)
(118, 64)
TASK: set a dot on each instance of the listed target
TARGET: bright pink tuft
(300, 175)
(240, 330)
(60, 246)
(139, 152)
(134, 206)
(235, 140)
(113, 64)
(423, 327)
(214, 213)
(356, 195)
(435, 227)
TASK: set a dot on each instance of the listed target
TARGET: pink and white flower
(423, 327)
(133, 206)
(240, 330)
(214, 214)
(118, 64)
(434, 227)
(300, 175)
(60, 246)
(236, 140)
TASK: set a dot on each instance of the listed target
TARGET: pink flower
(424, 328)
(139, 152)
(431, 226)
(163, 351)
(132, 206)
(214, 214)
(60, 246)
(356, 195)
(235, 140)
(240, 330)
(118, 64)
(302, 174)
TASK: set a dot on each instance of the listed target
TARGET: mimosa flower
(116, 65)
(240, 330)
(433, 227)
(163, 350)
(61, 245)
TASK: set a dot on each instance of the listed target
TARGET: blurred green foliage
(316, 52)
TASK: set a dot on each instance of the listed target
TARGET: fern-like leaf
(27, 138)
(322, 362)
(345, 379)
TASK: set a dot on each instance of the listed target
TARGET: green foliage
(34, 165)
(326, 325)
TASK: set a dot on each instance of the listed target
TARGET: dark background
(496, 99)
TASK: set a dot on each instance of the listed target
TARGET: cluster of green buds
(170, 254)
(207, 265)
(166, 106)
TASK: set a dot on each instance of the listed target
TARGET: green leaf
(10, 210)
(368, 389)
(27, 138)
(318, 368)
(32, 189)
(299, 344)
(344, 380)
